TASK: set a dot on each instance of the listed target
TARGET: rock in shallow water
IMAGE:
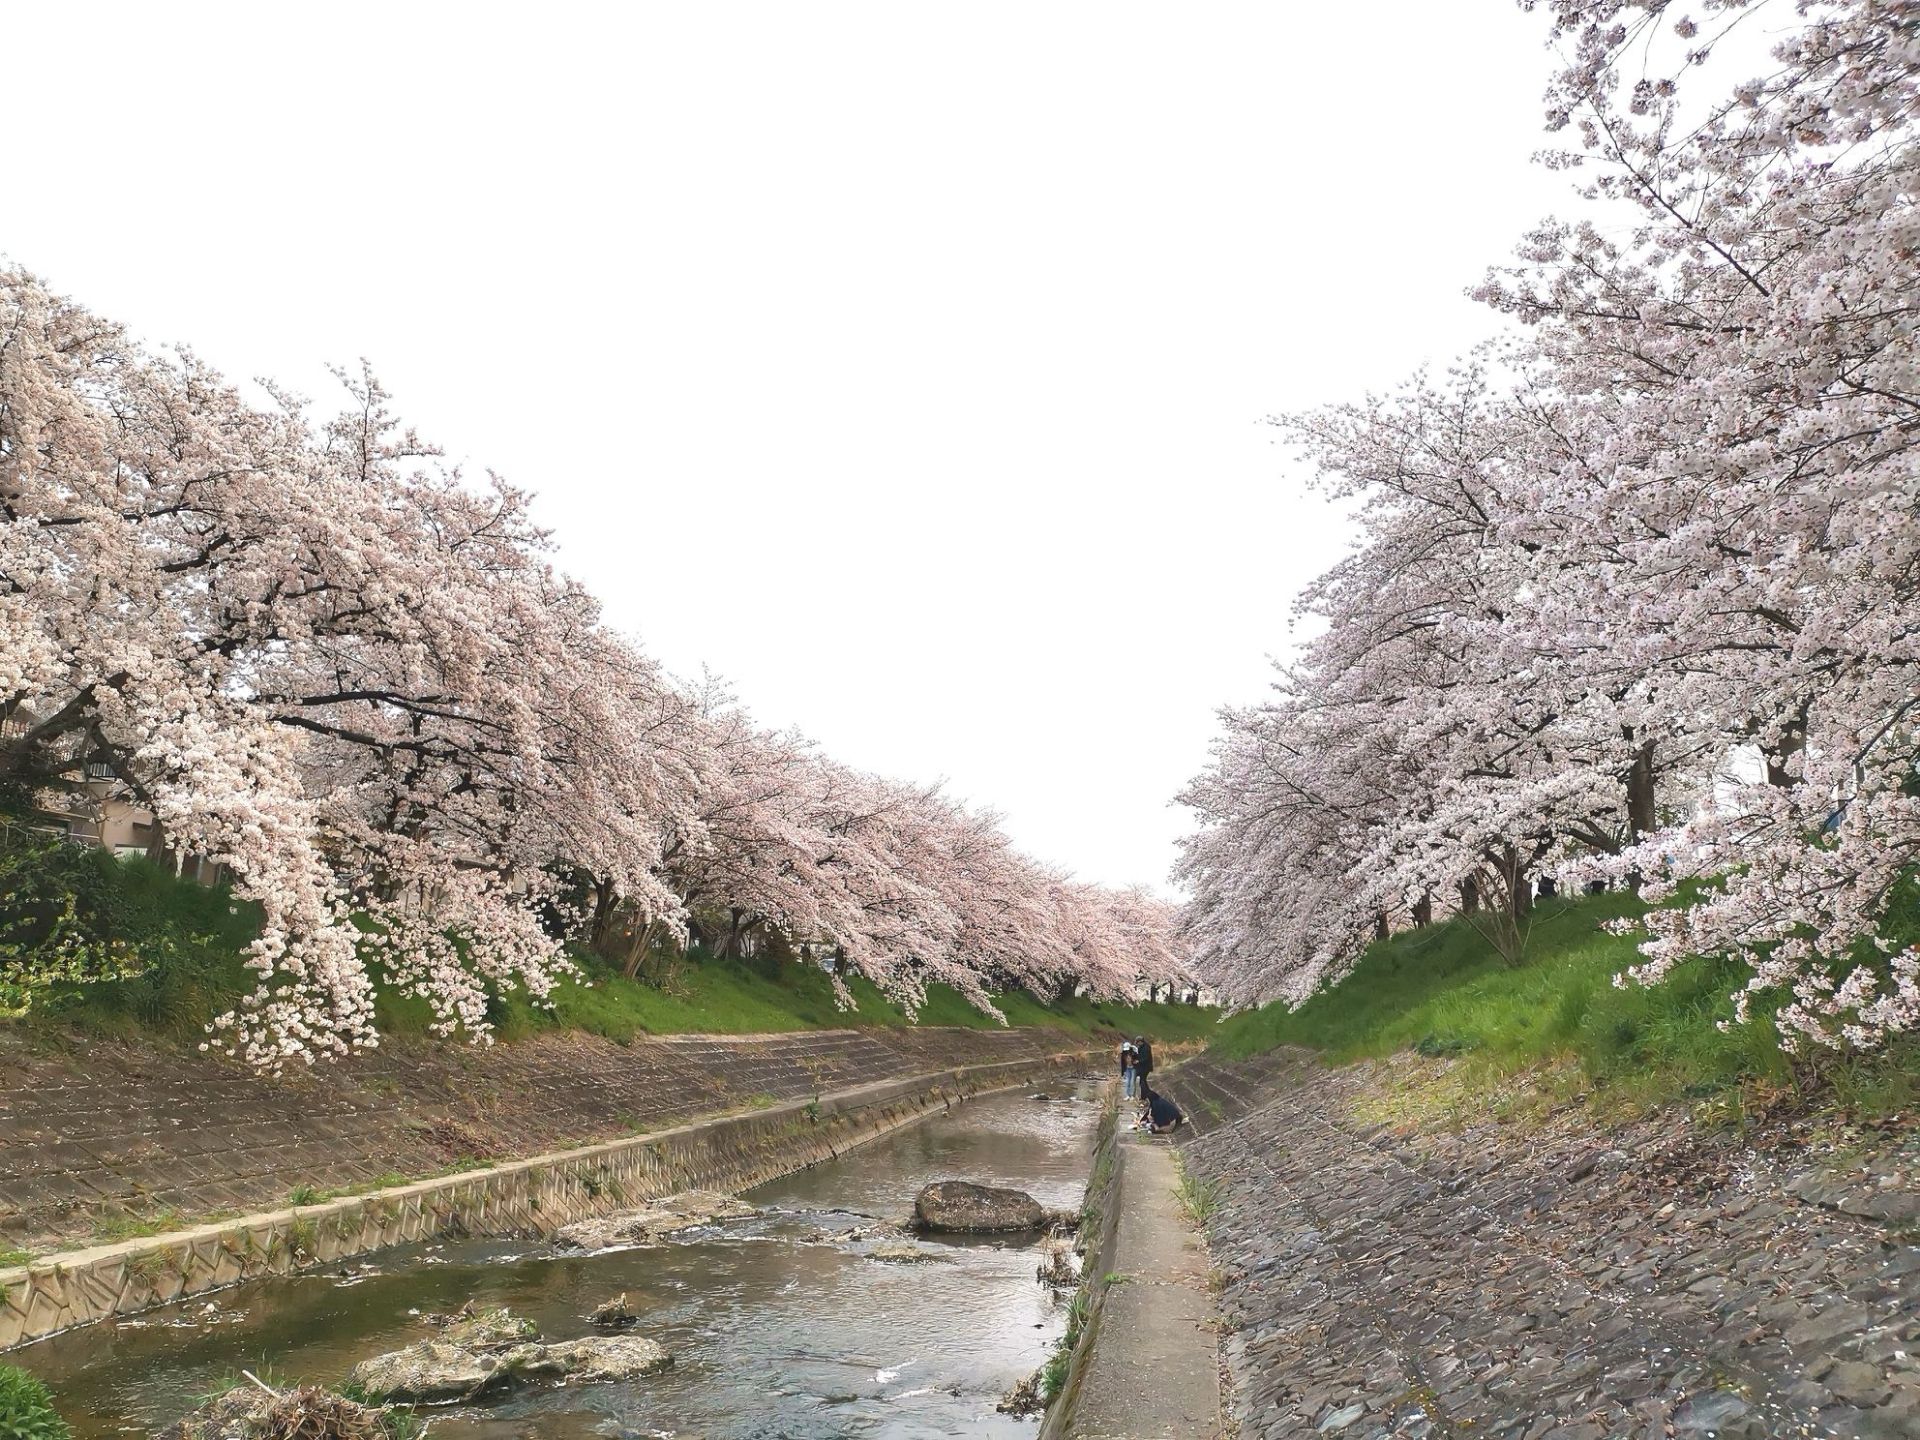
(432, 1371)
(598, 1357)
(653, 1222)
(429, 1371)
(959, 1207)
(489, 1330)
(615, 1314)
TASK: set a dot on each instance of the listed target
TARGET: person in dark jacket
(1142, 1059)
(1163, 1116)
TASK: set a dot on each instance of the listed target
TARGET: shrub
(26, 1409)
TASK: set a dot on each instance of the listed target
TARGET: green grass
(733, 997)
(192, 939)
(1442, 991)
(110, 1229)
(1198, 1196)
(1053, 1378)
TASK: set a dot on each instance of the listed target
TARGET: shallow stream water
(780, 1331)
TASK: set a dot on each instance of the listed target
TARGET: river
(780, 1330)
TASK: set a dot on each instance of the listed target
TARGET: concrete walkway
(1154, 1371)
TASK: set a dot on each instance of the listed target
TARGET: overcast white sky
(904, 363)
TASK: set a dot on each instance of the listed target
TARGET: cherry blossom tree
(1755, 334)
(1678, 531)
(335, 666)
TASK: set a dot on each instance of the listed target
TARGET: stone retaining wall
(105, 1140)
(531, 1196)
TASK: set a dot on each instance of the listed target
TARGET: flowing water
(780, 1329)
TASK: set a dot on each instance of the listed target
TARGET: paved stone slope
(1556, 1284)
(116, 1131)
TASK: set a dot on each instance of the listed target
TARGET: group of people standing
(1157, 1113)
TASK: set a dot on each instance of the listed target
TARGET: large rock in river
(959, 1207)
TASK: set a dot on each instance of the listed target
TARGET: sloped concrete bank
(1389, 1276)
(105, 1140)
(530, 1196)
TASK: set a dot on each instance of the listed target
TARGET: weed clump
(26, 1408)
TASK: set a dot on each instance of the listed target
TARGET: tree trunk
(1469, 895)
(1641, 820)
(637, 949)
(605, 914)
(1380, 931)
(1519, 885)
(1423, 910)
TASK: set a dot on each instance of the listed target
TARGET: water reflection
(782, 1330)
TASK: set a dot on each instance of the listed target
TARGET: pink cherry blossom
(354, 678)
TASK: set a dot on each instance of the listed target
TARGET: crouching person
(1163, 1117)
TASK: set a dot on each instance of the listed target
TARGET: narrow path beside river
(1154, 1370)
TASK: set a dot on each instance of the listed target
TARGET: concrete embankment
(1387, 1276)
(102, 1141)
(535, 1195)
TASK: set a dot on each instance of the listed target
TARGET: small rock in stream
(429, 1371)
(614, 1314)
(597, 1357)
(896, 1252)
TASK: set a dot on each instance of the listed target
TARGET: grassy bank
(191, 941)
(1443, 991)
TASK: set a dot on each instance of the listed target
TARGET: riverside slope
(119, 1139)
(1556, 1283)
